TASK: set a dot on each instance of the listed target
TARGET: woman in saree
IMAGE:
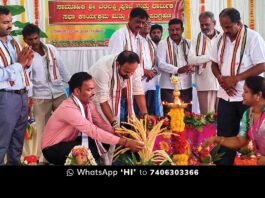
(252, 125)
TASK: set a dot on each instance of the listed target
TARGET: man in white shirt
(238, 54)
(48, 77)
(112, 73)
(200, 55)
(128, 38)
(172, 55)
(149, 66)
(156, 33)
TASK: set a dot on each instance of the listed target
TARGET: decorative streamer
(5, 2)
(187, 18)
(36, 12)
(252, 14)
(202, 6)
(23, 15)
(229, 3)
(23, 19)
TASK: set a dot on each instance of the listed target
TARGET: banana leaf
(15, 9)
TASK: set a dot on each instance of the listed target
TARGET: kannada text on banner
(91, 23)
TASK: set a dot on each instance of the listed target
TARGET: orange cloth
(240, 161)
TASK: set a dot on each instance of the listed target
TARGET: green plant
(208, 155)
(16, 10)
(211, 117)
(132, 159)
(195, 121)
(198, 121)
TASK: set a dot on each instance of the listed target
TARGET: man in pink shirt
(75, 115)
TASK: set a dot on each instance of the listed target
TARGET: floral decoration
(198, 121)
(205, 156)
(80, 155)
(30, 160)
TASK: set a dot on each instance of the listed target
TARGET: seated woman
(252, 126)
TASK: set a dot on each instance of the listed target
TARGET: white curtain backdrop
(80, 59)
(243, 7)
(260, 17)
(216, 6)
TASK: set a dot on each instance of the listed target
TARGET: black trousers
(150, 103)
(228, 124)
(167, 95)
(58, 153)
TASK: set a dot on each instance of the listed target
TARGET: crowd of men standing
(123, 83)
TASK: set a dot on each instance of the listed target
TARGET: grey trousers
(13, 123)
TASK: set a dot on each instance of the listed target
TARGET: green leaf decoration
(131, 162)
(20, 24)
(128, 160)
(200, 120)
(134, 158)
(207, 160)
(43, 35)
(15, 9)
(216, 156)
(16, 32)
(215, 150)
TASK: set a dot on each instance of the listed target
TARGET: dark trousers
(167, 95)
(150, 103)
(228, 123)
(13, 123)
(136, 108)
(124, 110)
(58, 153)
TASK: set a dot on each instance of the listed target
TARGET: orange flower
(177, 119)
(36, 11)
(164, 146)
(181, 159)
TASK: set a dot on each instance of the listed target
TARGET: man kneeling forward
(75, 115)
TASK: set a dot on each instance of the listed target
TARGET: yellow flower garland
(187, 18)
(181, 159)
(202, 6)
(229, 3)
(252, 14)
(23, 15)
(177, 119)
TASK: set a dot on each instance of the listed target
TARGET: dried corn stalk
(139, 132)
